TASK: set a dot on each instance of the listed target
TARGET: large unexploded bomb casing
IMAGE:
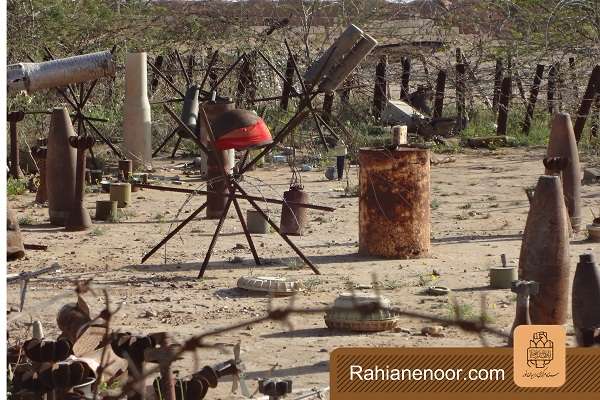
(61, 72)
(60, 167)
(562, 143)
(545, 252)
(394, 210)
(137, 120)
(586, 297)
(189, 111)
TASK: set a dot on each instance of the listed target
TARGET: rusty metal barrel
(60, 167)
(293, 217)
(394, 213)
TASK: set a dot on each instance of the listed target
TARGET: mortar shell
(585, 306)
(562, 143)
(60, 167)
(544, 254)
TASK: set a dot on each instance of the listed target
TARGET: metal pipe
(61, 72)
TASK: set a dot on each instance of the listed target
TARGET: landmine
(347, 314)
(277, 286)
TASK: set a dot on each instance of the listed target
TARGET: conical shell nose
(60, 123)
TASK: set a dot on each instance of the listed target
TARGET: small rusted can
(544, 254)
(293, 218)
(126, 167)
(586, 299)
(394, 216)
(60, 167)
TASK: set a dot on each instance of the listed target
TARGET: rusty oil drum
(60, 167)
(293, 218)
(216, 184)
(394, 210)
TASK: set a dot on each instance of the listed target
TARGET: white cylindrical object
(137, 118)
(61, 72)
(340, 48)
(399, 135)
(339, 74)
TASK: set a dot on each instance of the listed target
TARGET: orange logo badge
(539, 356)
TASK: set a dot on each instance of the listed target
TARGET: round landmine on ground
(270, 284)
(346, 313)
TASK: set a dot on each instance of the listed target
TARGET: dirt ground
(479, 208)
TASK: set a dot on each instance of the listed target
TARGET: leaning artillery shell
(40, 154)
(586, 298)
(189, 111)
(60, 167)
(562, 143)
(79, 217)
(545, 252)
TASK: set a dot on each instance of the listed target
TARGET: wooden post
(327, 106)
(405, 78)
(380, 91)
(551, 96)
(503, 106)
(574, 87)
(595, 131)
(191, 65)
(533, 94)
(15, 168)
(498, 73)
(592, 90)
(246, 88)
(287, 87)
(440, 86)
(460, 96)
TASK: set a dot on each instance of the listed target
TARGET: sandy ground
(479, 209)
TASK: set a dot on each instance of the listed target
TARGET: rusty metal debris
(586, 299)
(524, 290)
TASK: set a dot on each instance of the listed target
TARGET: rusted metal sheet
(62, 72)
(563, 144)
(60, 167)
(294, 218)
(544, 254)
(394, 211)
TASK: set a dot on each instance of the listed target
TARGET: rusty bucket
(394, 220)
(293, 218)
(60, 167)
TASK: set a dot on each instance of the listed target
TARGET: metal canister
(60, 167)
(544, 254)
(189, 111)
(293, 218)
(216, 184)
(394, 210)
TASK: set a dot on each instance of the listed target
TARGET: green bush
(16, 187)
